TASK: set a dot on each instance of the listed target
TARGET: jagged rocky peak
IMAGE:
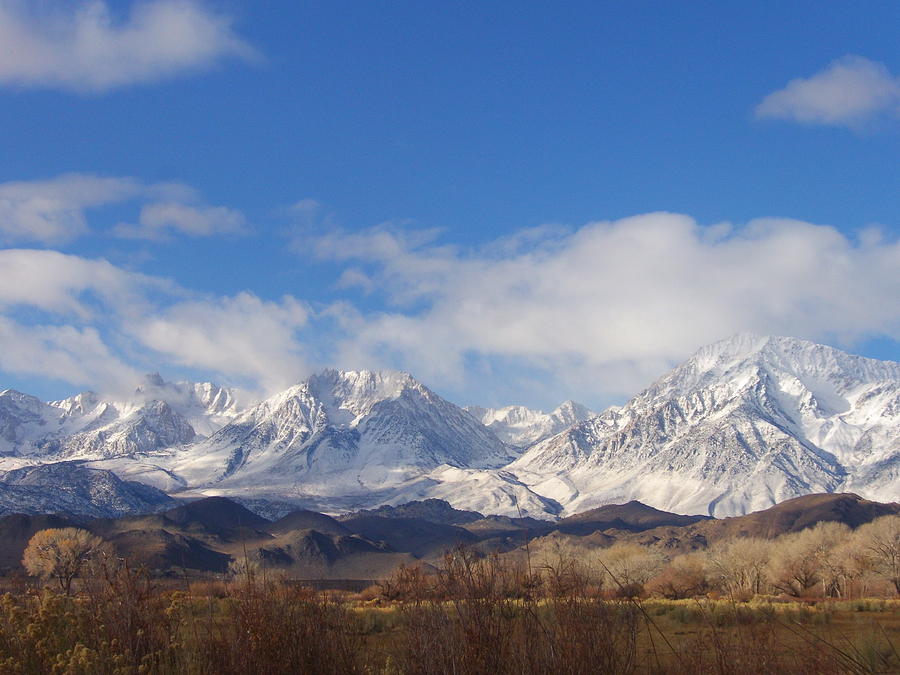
(153, 380)
(520, 426)
(356, 391)
(340, 397)
(801, 358)
(15, 397)
(22, 417)
(343, 432)
(214, 398)
(574, 410)
(156, 415)
(206, 395)
(15, 404)
(743, 423)
(79, 404)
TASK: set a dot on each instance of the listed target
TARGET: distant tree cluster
(827, 560)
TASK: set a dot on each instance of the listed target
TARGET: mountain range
(743, 424)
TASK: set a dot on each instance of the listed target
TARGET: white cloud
(73, 354)
(609, 306)
(241, 335)
(594, 312)
(81, 320)
(157, 220)
(849, 92)
(82, 46)
(68, 285)
(53, 211)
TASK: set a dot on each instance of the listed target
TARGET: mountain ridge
(741, 424)
(746, 422)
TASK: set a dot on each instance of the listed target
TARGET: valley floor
(251, 626)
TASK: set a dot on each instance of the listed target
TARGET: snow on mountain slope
(521, 426)
(75, 488)
(341, 433)
(159, 415)
(743, 424)
(24, 420)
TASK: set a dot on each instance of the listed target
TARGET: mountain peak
(743, 347)
(356, 391)
(154, 379)
(520, 426)
(743, 423)
(742, 359)
(386, 381)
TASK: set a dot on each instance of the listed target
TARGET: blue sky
(455, 189)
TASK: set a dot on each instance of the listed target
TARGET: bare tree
(686, 576)
(739, 565)
(630, 566)
(60, 554)
(801, 561)
(881, 541)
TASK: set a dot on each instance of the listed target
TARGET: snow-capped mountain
(339, 434)
(743, 424)
(158, 415)
(77, 489)
(521, 426)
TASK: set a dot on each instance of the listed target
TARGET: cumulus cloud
(53, 211)
(77, 355)
(849, 92)
(156, 221)
(82, 320)
(241, 335)
(613, 303)
(596, 311)
(70, 286)
(84, 46)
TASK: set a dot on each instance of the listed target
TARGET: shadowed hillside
(204, 536)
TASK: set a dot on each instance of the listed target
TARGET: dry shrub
(483, 616)
(686, 576)
(409, 583)
(473, 614)
(370, 593)
(270, 627)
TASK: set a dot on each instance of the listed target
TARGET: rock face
(76, 489)
(520, 426)
(741, 425)
(342, 433)
(158, 415)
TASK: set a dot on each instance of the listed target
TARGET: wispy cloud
(850, 92)
(77, 355)
(595, 311)
(84, 46)
(611, 305)
(91, 323)
(157, 221)
(241, 336)
(53, 211)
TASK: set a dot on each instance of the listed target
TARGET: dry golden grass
(476, 615)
